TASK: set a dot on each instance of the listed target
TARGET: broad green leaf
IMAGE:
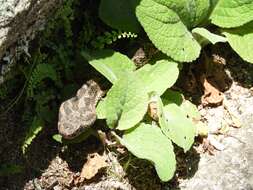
(171, 96)
(126, 102)
(232, 13)
(148, 142)
(191, 12)
(167, 31)
(101, 109)
(241, 40)
(190, 110)
(160, 76)
(176, 126)
(125, 107)
(120, 14)
(109, 63)
(203, 36)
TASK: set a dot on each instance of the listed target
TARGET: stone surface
(231, 168)
(19, 22)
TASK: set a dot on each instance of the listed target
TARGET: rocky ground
(232, 167)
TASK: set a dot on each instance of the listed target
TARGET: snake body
(78, 113)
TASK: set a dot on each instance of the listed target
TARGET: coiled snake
(78, 113)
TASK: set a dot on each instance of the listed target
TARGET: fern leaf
(35, 128)
(108, 38)
(3, 92)
(41, 72)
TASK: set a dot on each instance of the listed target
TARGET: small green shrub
(127, 102)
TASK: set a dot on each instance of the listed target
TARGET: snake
(79, 112)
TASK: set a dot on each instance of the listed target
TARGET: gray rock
(19, 22)
(231, 168)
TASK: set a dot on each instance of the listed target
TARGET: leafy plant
(35, 128)
(110, 37)
(179, 28)
(127, 103)
(41, 72)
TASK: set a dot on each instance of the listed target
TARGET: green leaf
(120, 14)
(125, 107)
(101, 109)
(190, 110)
(148, 142)
(191, 12)
(167, 31)
(203, 36)
(232, 13)
(127, 101)
(176, 126)
(58, 138)
(241, 40)
(109, 63)
(160, 76)
(171, 96)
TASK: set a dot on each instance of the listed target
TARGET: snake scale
(78, 113)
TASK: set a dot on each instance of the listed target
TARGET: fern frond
(41, 72)
(34, 129)
(109, 37)
(3, 92)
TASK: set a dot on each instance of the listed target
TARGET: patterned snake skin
(79, 112)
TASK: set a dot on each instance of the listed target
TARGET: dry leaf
(153, 110)
(212, 96)
(94, 163)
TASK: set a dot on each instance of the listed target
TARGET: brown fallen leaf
(94, 163)
(153, 110)
(212, 96)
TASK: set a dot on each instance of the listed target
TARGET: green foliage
(10, 169)
(125, 106)
(148, 142)
(34, 129)
(41, 72)
(176, 126)
(241, 40)
(119, 14)
(203, 36)
(3, 92)
(110, 63)
(108, 38)
(167, 28)
(232, 13)
(127, 102)
(176, 27)
(53, 62)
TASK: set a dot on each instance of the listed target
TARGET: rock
(231, 168)
(19, 22)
